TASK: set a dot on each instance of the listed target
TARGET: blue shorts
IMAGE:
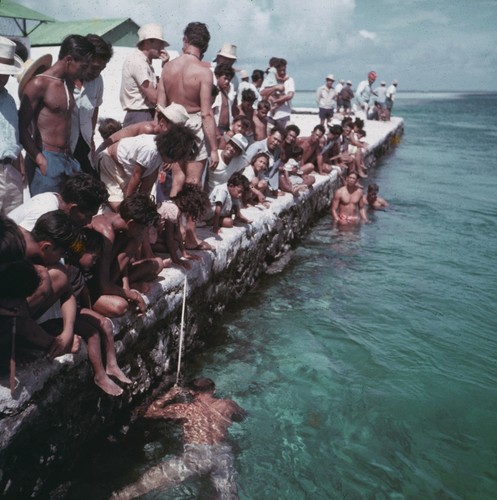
(325, 114)
(59, 166)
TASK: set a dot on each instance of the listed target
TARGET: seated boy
(121, 265)
(225, 200)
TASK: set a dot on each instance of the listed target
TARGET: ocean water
(368, 365)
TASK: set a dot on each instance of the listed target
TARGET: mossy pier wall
(56, 408)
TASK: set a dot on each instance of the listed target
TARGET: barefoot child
(225, 199)
(90, 324)
(190, 201)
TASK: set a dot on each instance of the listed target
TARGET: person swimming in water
(372, 200)
(205, 420)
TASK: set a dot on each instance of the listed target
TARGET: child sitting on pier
(190, 201)
(91, 325)
(122, 267)
(225, 200)
(292, 178)
(255, 175)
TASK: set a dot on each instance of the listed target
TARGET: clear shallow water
(368, 366)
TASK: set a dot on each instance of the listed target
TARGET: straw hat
(149, 31)
(330, 77)
(175, 113)
(240, 141)
(243, 74)
(32, 68)
(228, 50)
(10, 64)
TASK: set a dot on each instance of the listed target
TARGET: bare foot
(76, 344)
(106, 384)
(115, 371)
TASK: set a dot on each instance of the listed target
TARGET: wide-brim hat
(149, 31)
(10, 64)
(175, 113)
(228, 50)
(240, 141)
(32, 68)
(330, 77)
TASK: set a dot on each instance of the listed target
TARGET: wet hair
(177, 144)
(296, 152)
(87, 192)
(202, 385)
(56, 227)
(257, 75)
(258, 155)
(108, 126)
(238, 179)
(277, 128)
(241, 118)
(373, 188)
(249, 95)
(103, 49)
(140, 208)
(76, 46)
(293, 128)
(192, 201)
(197, 35)
(224, 69)
(264, 104)
(319, 127)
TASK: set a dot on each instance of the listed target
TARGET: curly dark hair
(177, 144)
(140, 208)
(198, 35)
(87, 192)
(192, 201)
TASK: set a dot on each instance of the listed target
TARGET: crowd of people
(96, 225)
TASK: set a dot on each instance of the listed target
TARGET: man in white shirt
(138, 94)
(326, 100)
(390, 98)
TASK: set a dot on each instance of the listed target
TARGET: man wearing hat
(10, 177)
(326, 99)
(230, 161)
(138, 94)
(364, 91)
(45, 117)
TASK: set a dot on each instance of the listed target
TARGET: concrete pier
(56, 406)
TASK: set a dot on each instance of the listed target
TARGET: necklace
(192, 54)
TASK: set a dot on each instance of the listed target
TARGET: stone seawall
(56, 407)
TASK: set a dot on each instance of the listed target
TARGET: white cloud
(368, 35)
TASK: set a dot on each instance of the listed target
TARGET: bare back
(186, 81)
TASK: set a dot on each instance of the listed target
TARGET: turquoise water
(368, 365)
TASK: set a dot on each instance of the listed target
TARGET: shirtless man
(45, 117)
(312, 147)
(187, 81)
(205, 420)
(372, 200)
(348, 202)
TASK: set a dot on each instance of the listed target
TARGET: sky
(424, 44)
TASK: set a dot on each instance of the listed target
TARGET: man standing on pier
(364, 91)
(205, 420)
(348, 203)
(187, 81)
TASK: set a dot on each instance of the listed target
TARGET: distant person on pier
(364, 91)
(346, 96)
(348, 203)
(372, 200)
(390, 97)
(326, 99)
(205, 420)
